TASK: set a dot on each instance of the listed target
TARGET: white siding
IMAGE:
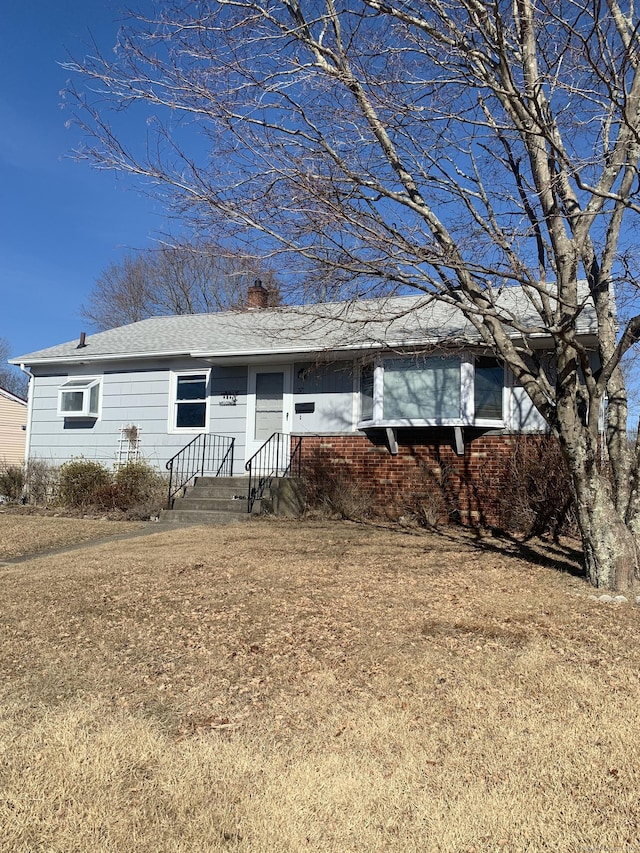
(521, 415)
(329, 388)
(139, 396)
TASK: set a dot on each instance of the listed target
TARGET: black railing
(206, 454)
(275, 458)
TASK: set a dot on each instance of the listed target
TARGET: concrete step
(220, 487)
(194, 500)
(240, 483)
(212, 500)
(183, 516)
(222, 491)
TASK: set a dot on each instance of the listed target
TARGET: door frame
(251, 444)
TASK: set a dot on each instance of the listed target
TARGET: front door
(269, 405)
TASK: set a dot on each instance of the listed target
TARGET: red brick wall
(426, 471)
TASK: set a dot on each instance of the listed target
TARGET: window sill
(187, 430)
(403, 423)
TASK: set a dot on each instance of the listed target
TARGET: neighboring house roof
(12, 397)
(393, 322)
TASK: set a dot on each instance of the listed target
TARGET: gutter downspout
(27, 442)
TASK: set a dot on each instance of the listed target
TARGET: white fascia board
(86, 359)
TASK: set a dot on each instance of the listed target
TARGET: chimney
(257, 295)
(83, 339)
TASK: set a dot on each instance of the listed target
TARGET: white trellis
(128, 445)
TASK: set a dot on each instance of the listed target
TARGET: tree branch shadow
(565, 556)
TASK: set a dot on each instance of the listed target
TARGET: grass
(22, 535)
(282, 686)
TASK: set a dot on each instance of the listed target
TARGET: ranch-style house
(381, 389)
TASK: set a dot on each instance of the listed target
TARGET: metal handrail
(205, 452)
(270, 461)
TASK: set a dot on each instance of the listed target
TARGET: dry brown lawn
(31, 534)
(285, 686)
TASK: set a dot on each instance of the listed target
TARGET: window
(425, 389)
(487, 388)
(79, 398)
(190, 412)
(449, 390)
(366, 392)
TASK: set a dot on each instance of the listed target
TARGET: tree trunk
(610, 547)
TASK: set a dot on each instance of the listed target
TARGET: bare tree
(11, 379)
(451, 146)
(174, 279)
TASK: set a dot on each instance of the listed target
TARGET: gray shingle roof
(389, 322)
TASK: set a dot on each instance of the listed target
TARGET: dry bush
(81, 481)
(42, 481)
(11, 481)
(433, 501)
(534, 495)
(331, 491)
(137, 489)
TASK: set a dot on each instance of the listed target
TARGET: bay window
(79, 398)
(434, 390)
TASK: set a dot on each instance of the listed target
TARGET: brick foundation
(426, 476)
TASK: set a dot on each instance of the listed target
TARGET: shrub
(138, 489)
(81, 481)
(434, 499)
(42, 481)
(11, 481)
(534, 495)
(332, 492)
(138, 482)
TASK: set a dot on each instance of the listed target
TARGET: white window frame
(490, 422)
(81, 385)
(172, 426)
(377, 379)
(467, 416)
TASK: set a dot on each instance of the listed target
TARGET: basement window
(79, 398)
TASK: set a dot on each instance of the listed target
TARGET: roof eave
(86, 359)
(454, 339)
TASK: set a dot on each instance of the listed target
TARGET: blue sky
(61, 222)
